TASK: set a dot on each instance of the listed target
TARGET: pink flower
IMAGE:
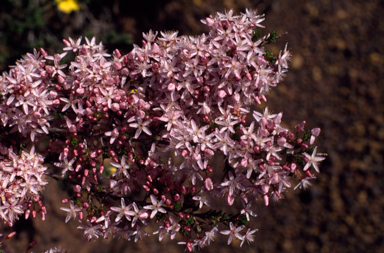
(72, 211)
(141, 126)
(155, 207)
(122, 211)
(304, 183)
(312, 160)
(233, 232)
(248, 236)
(91, 231)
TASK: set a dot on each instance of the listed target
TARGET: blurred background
(335, 82)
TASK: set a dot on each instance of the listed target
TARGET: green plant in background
(22, 26)
(26, 24)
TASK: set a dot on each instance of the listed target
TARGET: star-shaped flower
(155, 207)
(313, 160)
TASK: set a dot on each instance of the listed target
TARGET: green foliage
(190, 221)
(74, 142)
(269, 56)
(300, 161)
(271, 37)
(310, 150)
(28, 24)
(243, 220)
(256, 34)
(177, 207)
(160, 216)
(307, 135)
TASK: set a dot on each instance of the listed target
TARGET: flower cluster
(159, 115)
(21, 181)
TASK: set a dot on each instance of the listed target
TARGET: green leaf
(256, 34)
(271, 37)
(310, 150)
(74, 142)
(269, 56)
(177, 207)
(307, 135)
(190, 221)
(243, 220)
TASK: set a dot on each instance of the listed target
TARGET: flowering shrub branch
(160, 114)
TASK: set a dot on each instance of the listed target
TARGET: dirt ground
(335, 83)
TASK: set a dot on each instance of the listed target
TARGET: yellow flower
(67, 6)
(110, 170)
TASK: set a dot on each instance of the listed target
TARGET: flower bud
(176, 197)
(266, 200)
(208, 183)
(183, 190)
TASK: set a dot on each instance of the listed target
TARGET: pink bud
(300, 127)
(80, 91)
(118, 54)
(183, 190)
(124, 72)
(208, 152)
(184, 153)
(308, 173)
(286, 168)
(37, 115)
(77, 188)
(27, 214)
(60, 79)
(208, 183)
(43, 52)
(146, 188)
(209, 21)
(176, 197)
(281, 141)
(266, 200)
(221, 93)
(265, 188)
(171, 86)
(56, 102)
(11, 235)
